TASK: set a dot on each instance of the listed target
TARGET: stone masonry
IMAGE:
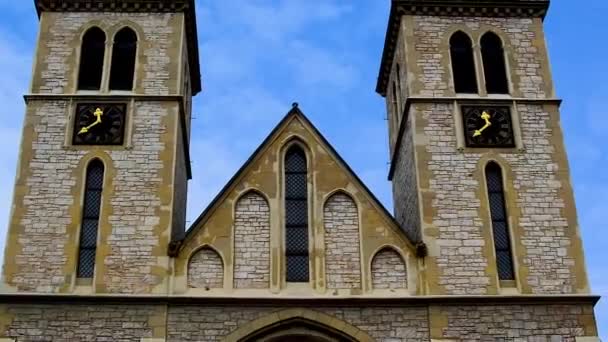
(544, 228)
(68, 323)
(405, 192)
(205, 270)
(540, 323)
(104, 322)
(191, 323)
(252, 242)
(342, 254)
(429, 42)
(55, 75)
(388, 270)
(431, 163)
(136, 206)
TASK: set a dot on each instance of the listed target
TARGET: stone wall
(191, 323)
(524, 43)
(421, 323)
(252, 242)
(136, 210)
(388, 270)
(135, 213)
(67, 323)
(405, 189)
(516, 322)
(206, 270)
(546, 244)
(56, 66)
(342, 247)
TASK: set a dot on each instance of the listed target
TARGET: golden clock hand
(486, 117)
(98, 113)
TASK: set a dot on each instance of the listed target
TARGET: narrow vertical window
(395, 115)
(463, 63)
(124, 53)
(494, 66)
(398, 73)
(500, 226)
(90, 219)
(91, 59)
(296, 215)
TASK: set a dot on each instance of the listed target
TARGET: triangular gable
(294, 116)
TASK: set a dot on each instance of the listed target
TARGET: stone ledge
(271, 300)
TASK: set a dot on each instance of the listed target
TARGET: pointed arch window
(90, 219)
(463, 63)
(494, 67)
(500, 224)
(91, 59)
(124, 53)
(296, 215)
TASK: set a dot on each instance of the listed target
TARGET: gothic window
(463, 63)
(91, 59)
(124, 54)
(500, 226)
(90, 219)
(296, 215)
(494, 66)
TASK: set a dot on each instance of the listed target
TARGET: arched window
(90, 219)
(91, 59)
(494, 66)
(463, 63)
(124, 54)
(500, 225)
(296, 215)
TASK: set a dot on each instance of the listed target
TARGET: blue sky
(259, 56)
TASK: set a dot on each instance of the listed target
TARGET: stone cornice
(389, 301)
(459, 8)
(141, 6)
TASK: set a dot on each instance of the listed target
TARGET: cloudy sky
(259, 56)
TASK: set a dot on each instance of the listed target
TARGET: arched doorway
(298, 330)
(298, 325)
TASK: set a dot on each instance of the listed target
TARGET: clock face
(488, 126)
(99, 124)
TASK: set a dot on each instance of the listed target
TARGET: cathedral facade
(483, 245)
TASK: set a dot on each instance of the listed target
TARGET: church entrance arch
(298, 325)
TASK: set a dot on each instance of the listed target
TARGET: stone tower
(104, 160)
(479, 167)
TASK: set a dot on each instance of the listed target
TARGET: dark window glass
(296, 215)
(124, 53)
(398, 90)
(90, 220)
(395, 102)
(463, 63)
(494, 64)
(91, 59)
(500, 226)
